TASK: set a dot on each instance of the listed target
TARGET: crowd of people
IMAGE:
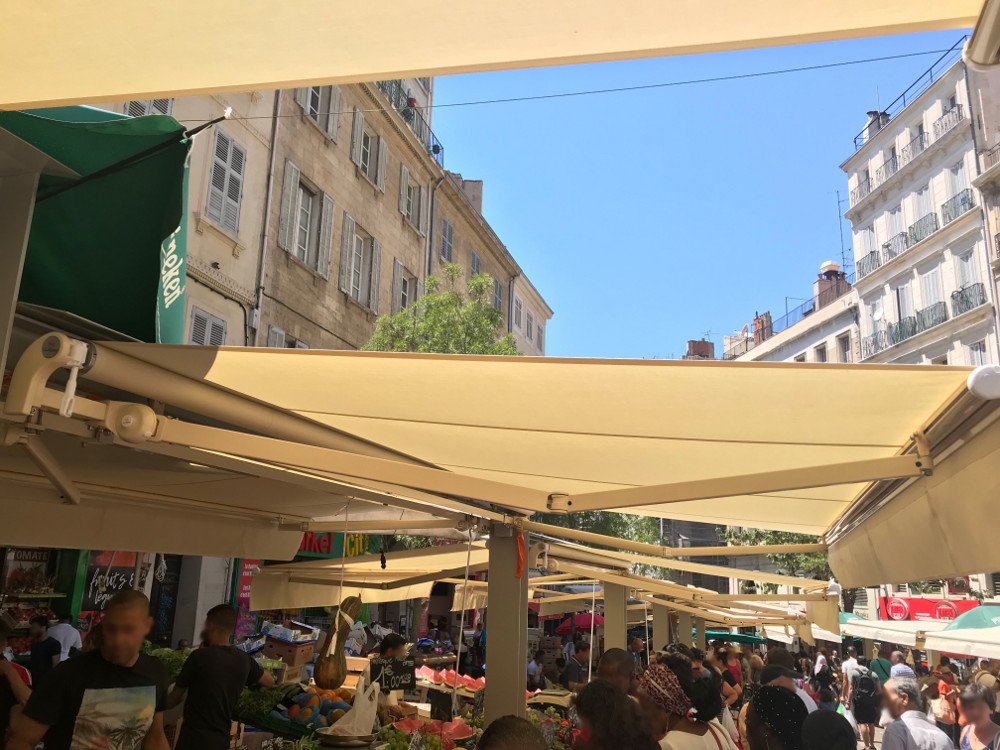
(727, 698)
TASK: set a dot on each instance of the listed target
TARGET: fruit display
(316, 707)
(22, 613)
(558, 731)
(258, 702)
(449, 678)
(435, 735)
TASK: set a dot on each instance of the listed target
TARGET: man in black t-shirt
(113, 697)
(45, 650)
(213, 677)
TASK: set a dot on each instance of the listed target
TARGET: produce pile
(172, 659)
(436, 735)
(450, 677)
(558, 732)
(258, 702)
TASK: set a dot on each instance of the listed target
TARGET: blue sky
(647, 218)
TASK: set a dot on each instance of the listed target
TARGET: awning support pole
(684, 625)
(507, 644)
(850, 472)
(615, 628)
(661, 626)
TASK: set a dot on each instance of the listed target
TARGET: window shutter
(302, 98)
(397, 286)
(137, 108)
(346, 249)
(325, 237)
(333, 120)
(383, 162)
(217, 332)
(422, 211)
(356, 131)
(404, 182)
(217, 183)
(275, 337)
(420, 288)
(161, 106)
(376, 275)
(199, 327)
(289, 191)
(234, 188)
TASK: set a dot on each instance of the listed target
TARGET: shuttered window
(541, 339)
(149, 107)
(497, 294)
(404, 287)
(930, 286)
(305, 224)
(476, 263)
(360, 264)
(530, 327)
(967, 272)
(225, 189)
(447, 240)
(206, 329)
(321, 104)
(517, 313)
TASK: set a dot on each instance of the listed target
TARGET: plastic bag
(885, 719)
(849, 715)
(360, 720)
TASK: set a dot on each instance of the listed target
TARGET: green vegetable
(172, 660)
(260, 701)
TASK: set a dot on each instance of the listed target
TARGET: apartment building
(985, 93)
(920, 246)
(823, 328)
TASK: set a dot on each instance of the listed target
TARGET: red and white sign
(244, 617)
(907, 608)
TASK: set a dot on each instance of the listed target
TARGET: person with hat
(778, 672)
(775, 719)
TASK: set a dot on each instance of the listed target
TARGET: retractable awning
(113, 55)
(465, 438)
(903, 632)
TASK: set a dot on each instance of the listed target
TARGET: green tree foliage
(446, 320)
(614, 525)
(808, 565)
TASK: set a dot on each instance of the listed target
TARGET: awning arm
(32, 444)
(849, 472)
(397, 584)
(655, 549)
(352, 527)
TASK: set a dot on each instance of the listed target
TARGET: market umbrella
(846, 617)
(581, 620)
(983, 616)
(109, 245)
(722, 635)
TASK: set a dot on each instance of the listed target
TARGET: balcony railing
(913, 149)
(957, 205)
(991, 158)
(947, 121)
(896, 245)
(892, 334)
(869, 263)
(996, 244)
(931, 316)
(861, 191)
(968, 298)
(873, 343)
(399, 99)
(923, 228)
(886, 171)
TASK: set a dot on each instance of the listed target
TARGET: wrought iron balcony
(996, 244)
(957, 205)
(896, 245)
(931, 316)
(968, 298)
(947, 121)
(400, 100)
(873, 343)
(886, 171)
(861, 191)
(991, 158)
(923, 228)
(913, 149)
(869, 263)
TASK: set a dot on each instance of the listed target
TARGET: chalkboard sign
(442, 707)
(393, 674)
(102, 584)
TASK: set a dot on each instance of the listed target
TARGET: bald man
(103, 697)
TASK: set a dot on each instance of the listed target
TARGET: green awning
(109, 246)
(846, 617)
(722, 635)
(983, 616)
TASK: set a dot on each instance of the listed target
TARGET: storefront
(900, 608)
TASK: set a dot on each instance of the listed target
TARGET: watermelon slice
(409, 725)
(457, 730)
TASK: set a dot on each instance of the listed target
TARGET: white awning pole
(645, 621)
(461, 626)
(593, 617)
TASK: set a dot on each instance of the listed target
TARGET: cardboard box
(293, 674)
(293, 654)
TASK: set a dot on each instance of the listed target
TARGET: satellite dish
(878, 315)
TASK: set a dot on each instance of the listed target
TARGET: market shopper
(611, 720)
(617, 667)
(775, 719)
(511, 733)
(212, 678)
(827, 730)
(577, 668)
(637, 651)
(15, 687)
(536, 680)
(45, 649)
(113, 697)
(911, 729)
(69, 638)
(978, 702)
(778, 672)
(684, 709)
(864, 698)
(899, 666)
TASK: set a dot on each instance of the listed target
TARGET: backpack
(866, 688)
(823, 678)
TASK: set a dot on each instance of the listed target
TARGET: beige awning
(903, 632)
(78, 53)
(981, 642)
(465, 440)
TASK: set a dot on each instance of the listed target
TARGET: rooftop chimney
(876, 121)
(700, 349)
(831, 284)
(473, 190)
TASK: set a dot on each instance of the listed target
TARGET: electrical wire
(623, 89)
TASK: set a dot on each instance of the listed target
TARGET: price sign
(393, 674)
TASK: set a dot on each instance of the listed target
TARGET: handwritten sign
(102, 585)
(394, 674)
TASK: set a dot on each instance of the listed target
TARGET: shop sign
(244, 617)
(327, 544)
(911, 608)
